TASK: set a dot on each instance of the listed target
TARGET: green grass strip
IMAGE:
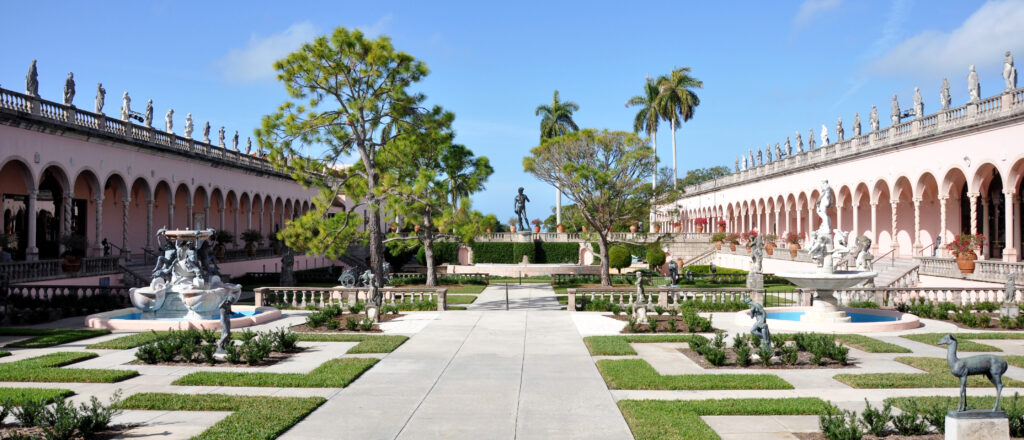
(871, 345)
(367, 343)
(461, 299)
(950, 402)
(21, 395)
(335, 373)
(965, 340)
(253, 417)
(937, 376)
(471, 288)
(680, 419)
(619, 345)
(129, 341)
(48, 337)
(45, 368)
(637, 374)
(4, 353)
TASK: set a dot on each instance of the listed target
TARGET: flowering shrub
(718, 236)
(535, 222)
(720, 223)
(676, 224)
(770, 238)
(794, 238)
(747, 236)
(700, 221)
(966, 243)
(732, 238)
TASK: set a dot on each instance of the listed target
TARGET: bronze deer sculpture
(991, 366)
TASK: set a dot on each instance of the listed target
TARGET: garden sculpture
(689, 275)
(225, 323)
(713, 268)
(519, 205)
(1010, 294)
(864, 256)
(756, 246)
(673, 271)
(991, 366)
(760, 328)
(640, 295)
(839, 247)
(935, 248)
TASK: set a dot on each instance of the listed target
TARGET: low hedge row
(445, 252)
(538, 252)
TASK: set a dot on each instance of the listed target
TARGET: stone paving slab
(759, 427)
(169, 424)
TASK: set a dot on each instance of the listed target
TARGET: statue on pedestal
(673, 272)
(148, 120)
(737, 168)
(188, 126)
(756, 246)
(640, 306)
(101, 94)
(206, 132)
(169, 121)
(788, 151)
(768, 151)
(225, 323)
(751, 154)
(799, 143)
(973, 86)
(988, 365)
(519, 206)
(1010, 288)
(248, 145)
(778, 151)
(32, 81)
(760, 328)
(824, 135)
(856, 125)
(760, 157)
(944, 96)
(69, 89)
(894, 115)
(745, 164)
(839, 247)
(918, 103)
(1009, 72)
(126, 106)
(873, 118)
(220, 137)
(840, 133)
(234, 141)
(810, 139)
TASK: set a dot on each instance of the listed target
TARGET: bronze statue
(760, 328)
(519, 204)
(989, 365)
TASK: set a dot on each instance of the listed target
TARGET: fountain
(186, 290)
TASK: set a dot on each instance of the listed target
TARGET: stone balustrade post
(1009, 250)
(149, 224)
(32, 252)
(917, 225)
(942, 223)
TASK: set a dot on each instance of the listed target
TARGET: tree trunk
(428, 253)
(602, 245)
(376, 253)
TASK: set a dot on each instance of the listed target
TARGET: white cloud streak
(811, 9)
(255, 62)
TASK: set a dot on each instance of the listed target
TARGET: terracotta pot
(416, 228)
(220, 251)
(583, 228)
(700, 228)
(632, 228)
(732, 247)
(679, 262)
(561, 229)
(70, 263)
(718, 245)
(250, 251)
(770, 250)
(489, 230)
(657, 228)
(536, 229)
(512, 228)
(677, 229)
(721, 229)
(793, 247)
(965, 261)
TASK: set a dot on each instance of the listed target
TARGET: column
(1010, 251)
(206, 216)
(66, 223)
(856, 222)
(778, 230)
(149, 224)
(984, 226)
(839, 217)
(974, 212)
(874, 227)
(170, 214)
(32, 253)
(99, 226)
(221, 212)
(234, 220)
(917, 226)
(188, 215)
(895, 221)
(942, 223)
(125, 203)
(248, 218)
(261, 219)
(1016, 224)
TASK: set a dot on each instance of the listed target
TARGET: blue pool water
(854, 317)
(138, 316)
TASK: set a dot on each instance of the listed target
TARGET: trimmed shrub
(655, 256)
(554, 253)
(618, 257)
(444, 253)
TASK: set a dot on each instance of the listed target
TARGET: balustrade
(961, 296)
(22, 271)
(672, 298)
(320, 297)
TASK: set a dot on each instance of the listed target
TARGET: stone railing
(962, 296)
(991, 110)
(672, 297)
(48, 292)
(320, 297)
(25, 271)
(908, 279)
(779, 253)
(473, 278)
(703, 259)
(637, 237)
(984, 270)
(68, 116)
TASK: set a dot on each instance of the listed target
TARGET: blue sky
(769, 68)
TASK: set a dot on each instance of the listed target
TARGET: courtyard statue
(856, 125)
(826, 200)
(673, 272)
(234, 141)
(69, 90)
(873, 118)
(713, 268)
(206, 133)
(918, 103)
(688, 275)
(126, 106)
(818, 246)
(760, 328)
(799, 142)
(101, 95)
(640, 306)
(106, 247)
(519, 206)
(864, 257)
(824, 135)
(225, 323)
(789, 147)
(220, 136)
(641, 295)
(148, 119)
(32, 81)
(1010, 289)
(1009, 72)
(840, 133)
(840, 250)
(894, 115)
(973, 87)
(810, 139)
(988, 365)
(937, 246)
(756, 246)
(188, 126)
(164, 263)
(169, 121)
(944, 97)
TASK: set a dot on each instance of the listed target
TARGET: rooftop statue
(169, 121)
(760, 157)
(32, 81)
(944, 96)
(188, 126)
(234, 141)
(745, 164)
(824, 135)
(220, 136)
(840, 133)
(148, 120)
(894, 115)
(810, 139)
(69, 89)
(799, 142)
(918, 103)
(973, 87)
(126, 106)
(737, 168)
(751, 154)
(101, 94)
(768, 151)
(206, 132)
(789, 147)
(856, 124)
(779, 154)
(519, 206)
(873, 118)
(248, 145)
(1009, 72)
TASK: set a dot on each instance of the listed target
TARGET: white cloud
(255, 62)
(810, 9)
(377, 28)
(982, 37)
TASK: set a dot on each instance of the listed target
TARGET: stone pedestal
(755, 281)
(373, 312)
(640, 312)
(824, 311)
(1009, 309)
(977, 425)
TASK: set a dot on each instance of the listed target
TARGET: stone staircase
(687, 249)
(898, 272)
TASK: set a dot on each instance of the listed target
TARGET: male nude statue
(519, 204)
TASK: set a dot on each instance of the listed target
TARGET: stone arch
(139, 222)
(183, 207)
(217, 212)
(115, 213)
(162, 199)
(16, 179)
(927, 207)
(200, 209)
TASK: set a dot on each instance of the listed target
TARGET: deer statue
(991, 366)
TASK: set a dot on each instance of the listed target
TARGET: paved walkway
(484, 373)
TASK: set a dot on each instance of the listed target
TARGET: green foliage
(838, 424)
(875, 420)
(933, 409)
(556, 119)
(444, 253)
(619, 345)
(637, 374)
(539, 252)
(681, 419)
(335, 373)
(937, 376)
(619, 257)
(965, 341)
(909, 422)
(655, 256)
(48, 337)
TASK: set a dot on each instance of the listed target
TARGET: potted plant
(583, 228)
(746, 237)
(717, 238)
(677, 227)
(700, 222)
(252, 238)
(223, 238)
(632, 227)
(963, 247)
(74, 250)
(536, 225)
(512, 223)
(721, 225)
(769, 243)
(794, 243)
(657, 228)
(560, 228)
(733, 239)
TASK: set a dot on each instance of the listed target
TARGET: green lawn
(367, 343)
(637, 374)
(619, 345)
(936, 376)
(973, 402)
(45, 368)
(461, 299)
(335, 373)
(253, 417)
(871, 345)
(48, 337)
(965, 340)
(470, 288)
(19, 395)
(681, 419)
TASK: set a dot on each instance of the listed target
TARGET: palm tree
(465, 173)
(557, 118)
(649, 116)
(556, 122)
(678, 100)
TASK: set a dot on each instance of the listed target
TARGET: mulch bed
(803, 361)
(303, 328)
(661, 322)
(274, 358)
(35, 432)
(820, 436)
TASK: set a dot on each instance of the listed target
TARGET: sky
(769, 68)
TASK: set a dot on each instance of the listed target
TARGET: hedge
(444, 253)
(538, 252)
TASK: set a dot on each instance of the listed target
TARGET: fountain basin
(130, 319)
(858, 320)
(825, 283)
